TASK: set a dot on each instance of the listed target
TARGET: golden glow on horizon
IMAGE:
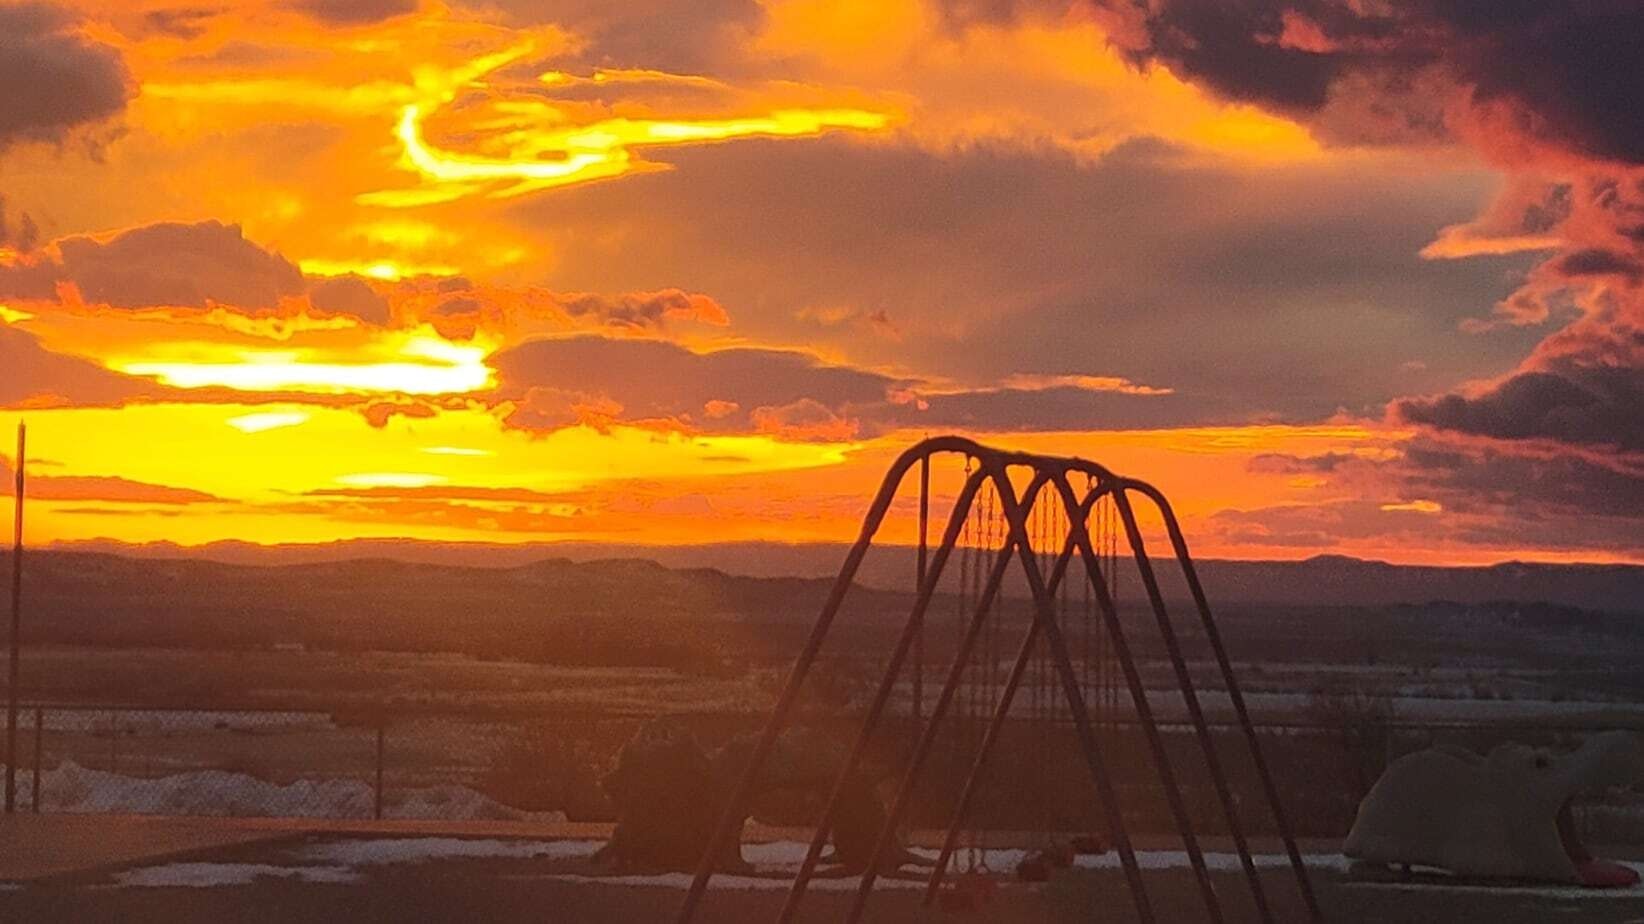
(627, 482)
(622, 484)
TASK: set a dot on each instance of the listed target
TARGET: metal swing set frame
(989, 466)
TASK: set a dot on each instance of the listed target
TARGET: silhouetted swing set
(1046, 529)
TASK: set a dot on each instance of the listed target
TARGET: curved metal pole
(1191, 698)
(1080, 534)
(807, 657)
(944, 699)
(1001, 712)
(1017, 538)
(887, 685)
(1144, 712)
(1234, 694)
(1044, 613)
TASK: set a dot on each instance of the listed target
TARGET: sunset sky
(1340, 276)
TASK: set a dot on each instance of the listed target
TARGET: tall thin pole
(923, 563)
(12, 685)
(376, 808)
(39, 739)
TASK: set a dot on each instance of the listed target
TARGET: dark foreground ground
(278, 885)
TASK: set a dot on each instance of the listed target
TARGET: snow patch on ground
(778, 861)
(1528, 890)
(1215, 862)
(776, 881)
(792, 853)
(207, 875)
(345, 861)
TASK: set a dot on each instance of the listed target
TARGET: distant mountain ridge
(1325, 580)
(609, 612)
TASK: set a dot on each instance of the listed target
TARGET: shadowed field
(441, 879)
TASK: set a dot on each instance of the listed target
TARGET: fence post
(377, 808)
(39, 738)
(14, 685)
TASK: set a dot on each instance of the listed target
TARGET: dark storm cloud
(560, 382)
(1587, 404)
(1345, 524)
(53, 81)
(1566, 71)
(1595, 261)
(1233, 287)
(1234, 48)
(654, 379)
(1463, 490)
(1482, 477)
(1550, 452)
(173, 264)
(1573, 65)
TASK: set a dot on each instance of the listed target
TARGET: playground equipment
(1025, 510)
(1505, 815)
